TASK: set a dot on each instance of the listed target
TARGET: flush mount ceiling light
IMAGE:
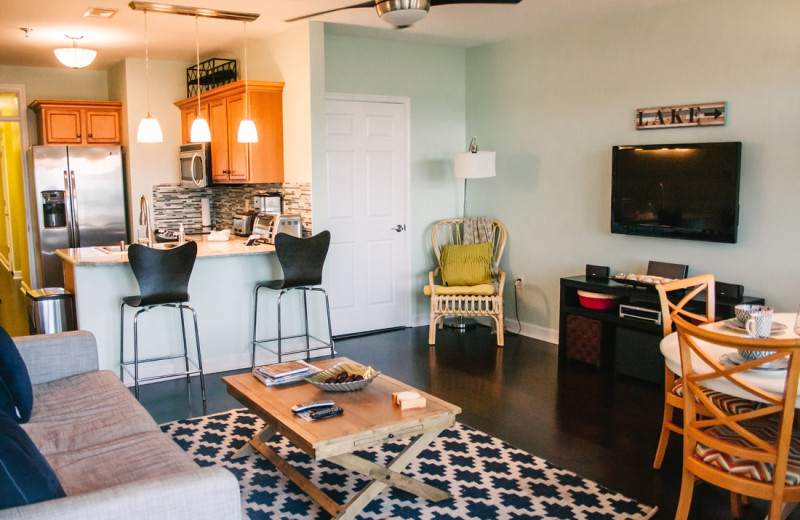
(149, 129)
(75, 57)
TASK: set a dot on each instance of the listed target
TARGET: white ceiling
(172, 37)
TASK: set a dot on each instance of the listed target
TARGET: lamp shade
(200, 132)
(75, 57)
(474, 165)
(247, 132)
(149, 131)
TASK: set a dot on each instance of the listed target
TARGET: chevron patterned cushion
(729, 404)
(755, 470)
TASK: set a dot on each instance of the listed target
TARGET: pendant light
(247, 128)
(75, 57)
(200, 132)
(149, 129)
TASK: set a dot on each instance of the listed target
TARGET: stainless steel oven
(195, 165)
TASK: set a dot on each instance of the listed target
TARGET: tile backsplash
(173, 204)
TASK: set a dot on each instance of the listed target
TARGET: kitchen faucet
(144, 219)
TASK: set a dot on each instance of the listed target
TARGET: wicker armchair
(467, 301)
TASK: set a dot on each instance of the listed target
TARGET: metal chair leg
(328, 311)
(280, 333)
(305, 316)
(255, 327)
(121, 341)
(185, 350)
(136, 353)
(199, 355)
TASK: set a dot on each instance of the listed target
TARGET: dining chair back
(687, 290)
(751, 452)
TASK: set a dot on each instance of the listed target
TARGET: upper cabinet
(78, 122)
(233, 162)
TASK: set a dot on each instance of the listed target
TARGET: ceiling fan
(403, 13)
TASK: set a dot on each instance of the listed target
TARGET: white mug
(760, 324)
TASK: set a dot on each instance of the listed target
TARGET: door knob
(399, 228)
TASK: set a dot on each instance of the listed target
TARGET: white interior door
(367, 177)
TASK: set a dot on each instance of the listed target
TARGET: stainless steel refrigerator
(79, 200)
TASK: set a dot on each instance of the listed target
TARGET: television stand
(629, 346)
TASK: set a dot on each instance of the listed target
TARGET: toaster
(243, 223)
(268, 225)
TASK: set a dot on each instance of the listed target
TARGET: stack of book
(280, 373)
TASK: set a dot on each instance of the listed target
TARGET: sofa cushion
(16, 395)
(467, 264)
(25, 475)
(84, 410)
(128, 459)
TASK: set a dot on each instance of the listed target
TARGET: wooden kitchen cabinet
(78, 122)
(233, 162)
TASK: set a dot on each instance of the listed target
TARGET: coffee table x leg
(382, 477)
(389, 476)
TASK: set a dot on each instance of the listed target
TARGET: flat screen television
(688, 191)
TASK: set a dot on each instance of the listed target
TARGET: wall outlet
(519, 280)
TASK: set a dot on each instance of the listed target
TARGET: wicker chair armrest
(431, 275)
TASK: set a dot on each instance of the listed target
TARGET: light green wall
(432, 77)
(553, 106)
(55, 83)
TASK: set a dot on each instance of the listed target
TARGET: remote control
(302, 407)
(322, 413)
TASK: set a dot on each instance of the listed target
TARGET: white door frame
(405, 262)
(22, 119)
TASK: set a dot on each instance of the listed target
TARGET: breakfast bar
(220, 289)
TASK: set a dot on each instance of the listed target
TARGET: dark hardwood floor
(602, 427)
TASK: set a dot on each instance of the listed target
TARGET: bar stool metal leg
(305, 316)
(280, 333)
(185, 350)
(199, 355)
(121, 341)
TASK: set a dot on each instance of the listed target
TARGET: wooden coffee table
(369, 419)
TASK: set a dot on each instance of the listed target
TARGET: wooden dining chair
(755, 452)
(697, 310)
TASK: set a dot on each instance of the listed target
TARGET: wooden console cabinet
(631, 344)
(78, 122)
(233, 162)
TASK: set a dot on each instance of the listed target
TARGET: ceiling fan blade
(451, 2)
(370, 3)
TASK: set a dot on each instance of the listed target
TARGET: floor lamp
(471, 165)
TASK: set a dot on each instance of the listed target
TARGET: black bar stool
(163, 278)
(302, 260)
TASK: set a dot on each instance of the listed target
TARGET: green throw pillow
(467, 264)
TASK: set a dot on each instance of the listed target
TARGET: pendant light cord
(147, 64)
(197, 55)
(246, 97)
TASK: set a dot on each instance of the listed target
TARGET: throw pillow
(467, 264)
(25, 475)
(16, 392)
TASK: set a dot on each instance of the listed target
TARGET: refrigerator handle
(75, 237)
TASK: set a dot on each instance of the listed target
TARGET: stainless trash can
(50, 310)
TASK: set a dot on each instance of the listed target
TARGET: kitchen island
(220, 290)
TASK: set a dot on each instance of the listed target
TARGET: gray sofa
(108, 453)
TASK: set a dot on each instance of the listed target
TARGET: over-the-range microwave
(195, 165)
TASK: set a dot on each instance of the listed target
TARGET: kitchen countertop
(91, 256)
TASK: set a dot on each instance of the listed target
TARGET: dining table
(771, 380)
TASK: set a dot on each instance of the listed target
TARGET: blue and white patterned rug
(488, 478)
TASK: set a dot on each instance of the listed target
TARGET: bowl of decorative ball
(343, 377)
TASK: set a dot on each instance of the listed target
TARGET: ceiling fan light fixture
(402, 13)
